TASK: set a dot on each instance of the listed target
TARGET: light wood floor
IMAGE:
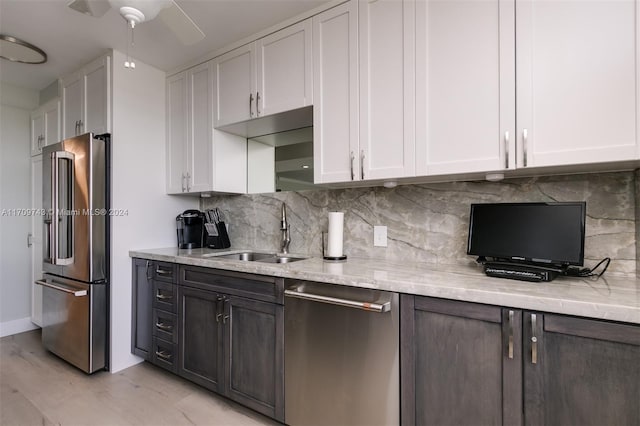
(37, 388)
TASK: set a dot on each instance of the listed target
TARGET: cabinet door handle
(163, 271)
(353, 176)
(525, 137)
(218, 316)
(188, 182)
(510, 345)
(81, 126)
(506, 149)
(165, 356)
(250, 104)
(362, 164)
(182, 182)
(258, 104)
(224, 308)
(534, 339)
(76, 131)
(160, 296)
(164, 327)
(147, 272)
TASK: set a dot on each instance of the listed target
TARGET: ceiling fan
(138, 11)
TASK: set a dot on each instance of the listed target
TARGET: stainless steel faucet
(285, 227)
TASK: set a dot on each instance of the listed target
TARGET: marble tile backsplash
(429, 222)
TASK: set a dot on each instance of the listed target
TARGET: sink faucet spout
(285, 228)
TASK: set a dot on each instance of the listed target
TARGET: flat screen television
(537, 233)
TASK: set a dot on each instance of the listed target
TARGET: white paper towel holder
(335, 258)
(331, 258)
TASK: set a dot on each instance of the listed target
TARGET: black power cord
(589, 272)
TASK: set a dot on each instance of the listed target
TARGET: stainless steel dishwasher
(341, 355)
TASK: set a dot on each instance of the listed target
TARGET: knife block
(217, 236)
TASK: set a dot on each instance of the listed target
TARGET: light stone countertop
(609, 297)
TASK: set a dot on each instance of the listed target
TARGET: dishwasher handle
(62, 287)
(365, 306)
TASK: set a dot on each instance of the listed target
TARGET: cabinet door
(177, 132)
(335, 94)
(461, 363)
(72, 99)
(36, 240)
(254, 355)
(577, 90)
(51, 112)
(580, 371)
(97, 78)
(234, 86)
(284, 70)
(200, 337)
(465, 105)
(142, 299)
(37, 132)
(199, 147)
(387, 88)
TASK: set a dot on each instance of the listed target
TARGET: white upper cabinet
(387, 89)
(37, 132)
(364, 91)
(268, 76)
(335, 93)
(465, 86)
(177, 136)
(45, 126)
(86, 99)
(577, 92)
(284, 70)
(235, 84)
(199, 158)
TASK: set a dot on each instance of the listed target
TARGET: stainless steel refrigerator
(75, 174)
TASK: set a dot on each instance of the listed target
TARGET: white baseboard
(21, 325)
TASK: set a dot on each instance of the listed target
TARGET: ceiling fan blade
(95, 8)
(181, 24)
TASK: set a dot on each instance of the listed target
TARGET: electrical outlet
(379, 236)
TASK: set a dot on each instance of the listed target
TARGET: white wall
(15, 187)
(138, 185)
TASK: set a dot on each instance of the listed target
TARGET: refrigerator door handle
(62, 287)
(56, 259)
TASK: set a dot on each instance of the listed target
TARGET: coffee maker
(190, 224)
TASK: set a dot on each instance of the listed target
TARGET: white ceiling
(72, 39)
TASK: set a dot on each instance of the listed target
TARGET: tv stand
(521, 271)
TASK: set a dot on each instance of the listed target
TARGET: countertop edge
(491, 294)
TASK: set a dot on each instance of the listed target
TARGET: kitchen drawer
(259, 287)
(165, 325)
(164, 354)
(165, 271)
(165, 296)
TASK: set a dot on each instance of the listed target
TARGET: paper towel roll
(334, 243)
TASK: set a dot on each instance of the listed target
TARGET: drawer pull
(534, 339)
(161, 296)
(163, 355)
(511, 315)
(164, 327)
(163, 272)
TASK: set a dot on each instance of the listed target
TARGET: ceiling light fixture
(15, 50)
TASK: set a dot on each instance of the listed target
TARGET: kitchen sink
(249, 256)
(246, 256)
(281, 259)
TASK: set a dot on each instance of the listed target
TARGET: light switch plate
(379, 236)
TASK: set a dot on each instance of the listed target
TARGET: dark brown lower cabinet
(466, 363)
(580, 372)
(200, 337)
(233, 345)
(460, 363)
(254, 355)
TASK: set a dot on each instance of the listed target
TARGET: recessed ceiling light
(16, 50)
(305, 166)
